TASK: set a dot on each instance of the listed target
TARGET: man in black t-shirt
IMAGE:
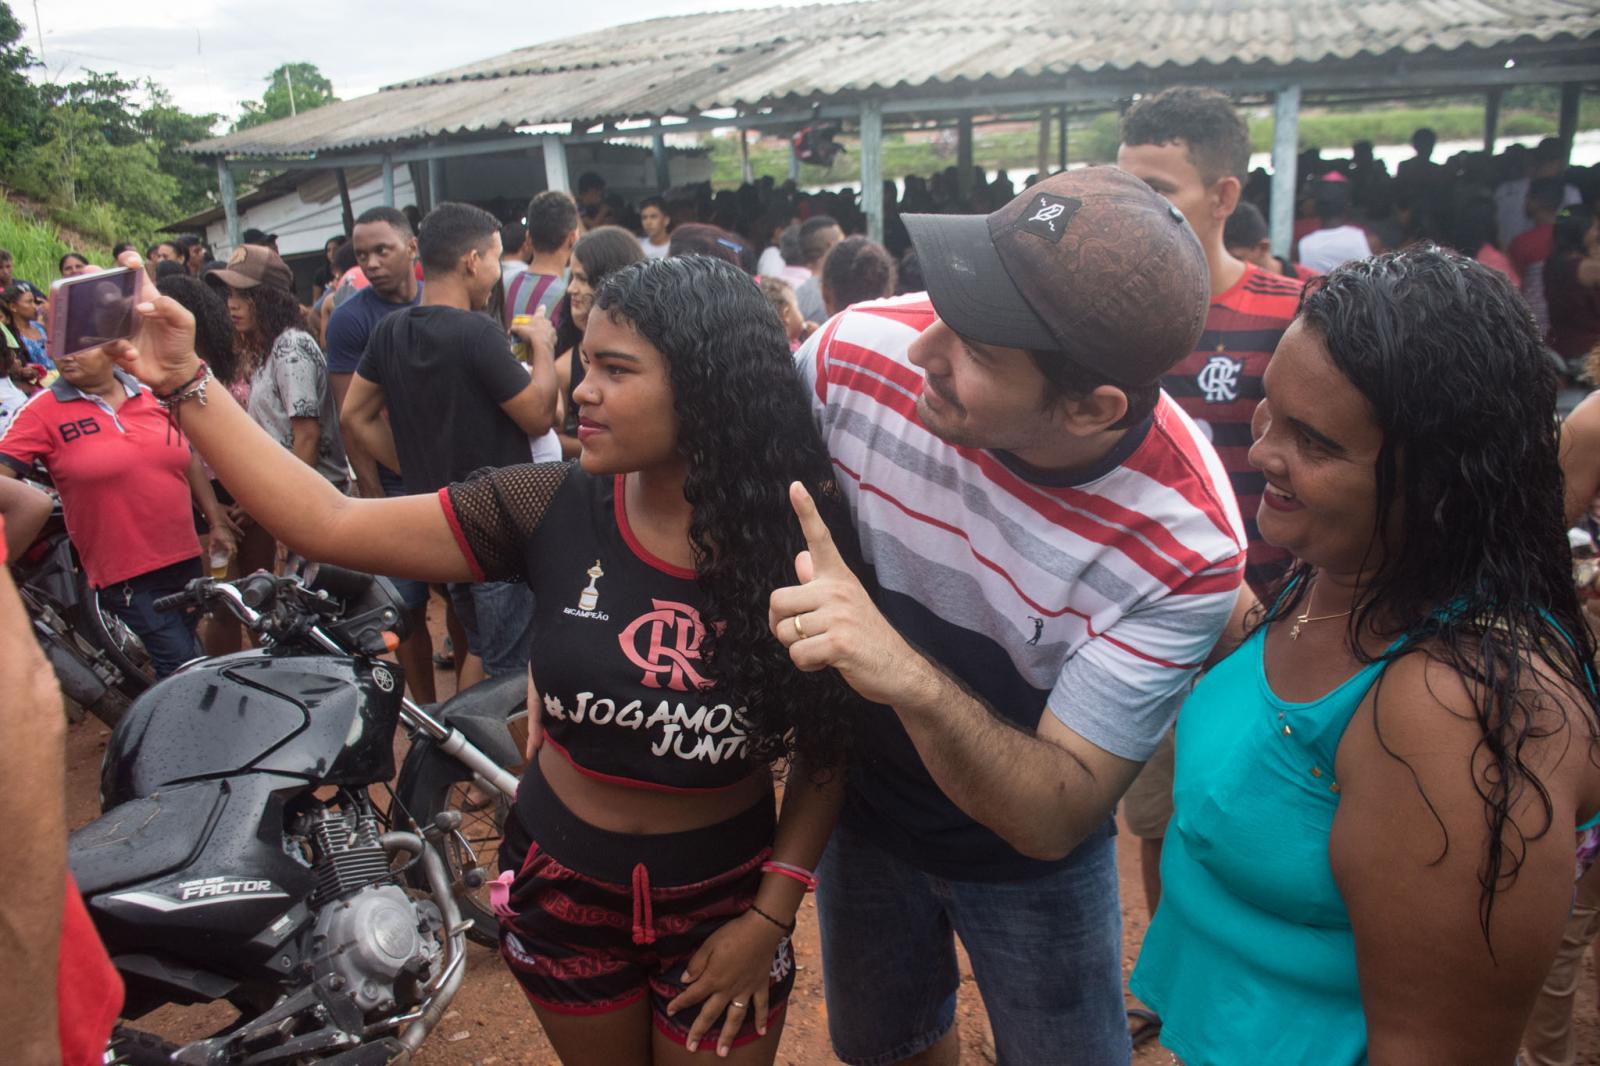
(457, 400)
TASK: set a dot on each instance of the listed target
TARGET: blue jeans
(1046, 952)
(498, 618)
(167, 635)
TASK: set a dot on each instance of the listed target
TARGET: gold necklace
(1305, 617)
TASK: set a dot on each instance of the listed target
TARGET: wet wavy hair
(1450, 362)
(745, 430)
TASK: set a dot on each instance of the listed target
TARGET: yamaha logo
(383, 678)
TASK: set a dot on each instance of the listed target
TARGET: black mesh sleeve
(497, 510)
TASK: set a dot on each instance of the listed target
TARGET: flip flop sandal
(1149, 1026)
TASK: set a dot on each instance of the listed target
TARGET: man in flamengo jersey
(1192, 147)
(1050, 550)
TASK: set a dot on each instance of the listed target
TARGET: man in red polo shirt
(126, 476)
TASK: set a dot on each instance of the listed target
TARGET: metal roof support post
(746, 175)
(388, 180)
(1570, 91)
(555, 163)
(230, 201)
(1061, 144)
(1043, 161)
(1491, 118)
(1285, 149)
(964, 156)
(658, 150)
(872, 167)
(794, 162)
(435, 182)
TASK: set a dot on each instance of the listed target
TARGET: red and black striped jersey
(1219, 385)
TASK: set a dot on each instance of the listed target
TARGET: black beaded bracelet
(787, 929)
(195, 386)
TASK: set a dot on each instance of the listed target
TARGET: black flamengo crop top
(616, 646)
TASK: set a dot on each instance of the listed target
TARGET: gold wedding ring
(798, 628)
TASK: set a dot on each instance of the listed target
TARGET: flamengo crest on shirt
(1219, 379)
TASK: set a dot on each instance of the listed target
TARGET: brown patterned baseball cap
(251, 265)
(1091, 263)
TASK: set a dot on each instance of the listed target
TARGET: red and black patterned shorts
(601, 919)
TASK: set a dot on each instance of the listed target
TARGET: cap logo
(1049, 215)
(237, 257)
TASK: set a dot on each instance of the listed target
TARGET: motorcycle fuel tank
(321, 718)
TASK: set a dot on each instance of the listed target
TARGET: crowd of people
(1062, 501)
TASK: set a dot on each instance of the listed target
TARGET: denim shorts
(1046, 952)
(498, 618)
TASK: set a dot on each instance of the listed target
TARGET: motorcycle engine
(371, 940)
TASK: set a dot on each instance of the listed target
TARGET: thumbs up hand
(829, 620)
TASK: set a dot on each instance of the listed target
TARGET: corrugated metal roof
(756, 58)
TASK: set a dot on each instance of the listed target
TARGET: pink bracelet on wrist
(795, 873)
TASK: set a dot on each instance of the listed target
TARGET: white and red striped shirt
(1097, 593)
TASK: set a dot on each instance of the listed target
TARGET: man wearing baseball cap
(1052, 549)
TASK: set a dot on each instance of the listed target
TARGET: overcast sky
(211, 54)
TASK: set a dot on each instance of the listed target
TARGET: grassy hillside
(38, 246)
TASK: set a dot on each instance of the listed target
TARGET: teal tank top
(1250, 957)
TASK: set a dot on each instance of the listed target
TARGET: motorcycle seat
(496, 697)
(144, 838)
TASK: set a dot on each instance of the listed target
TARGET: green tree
(291, 89)
(169, 128)
(22, 110)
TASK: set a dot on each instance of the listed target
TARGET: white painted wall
(306, 218)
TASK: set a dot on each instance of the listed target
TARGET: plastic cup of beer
(220, 557)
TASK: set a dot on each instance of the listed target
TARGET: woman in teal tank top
(1382, 797)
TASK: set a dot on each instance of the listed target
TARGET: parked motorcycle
(240, 856)
(99, 662)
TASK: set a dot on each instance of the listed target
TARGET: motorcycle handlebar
(174, 602)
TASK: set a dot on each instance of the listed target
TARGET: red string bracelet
(794, 873)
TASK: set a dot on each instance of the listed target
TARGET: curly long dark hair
(213, 332)
(276, 310)
(746, 431)
(1480, 577)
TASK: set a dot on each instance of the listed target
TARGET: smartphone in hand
(89, 310)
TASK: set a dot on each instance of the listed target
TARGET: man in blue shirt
(386, 250)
